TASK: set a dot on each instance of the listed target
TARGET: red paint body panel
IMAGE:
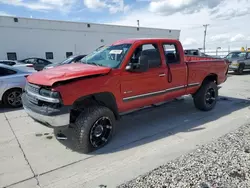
(125, 85)
(66, 72)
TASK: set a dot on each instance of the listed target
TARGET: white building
(25, 37)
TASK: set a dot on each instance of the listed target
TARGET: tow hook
(61, 136)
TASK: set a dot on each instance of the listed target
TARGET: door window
(150, 50)
(248, 55)
(29, 61)
(42, 62)
(6, 72)
(171, 53)
(11, 63)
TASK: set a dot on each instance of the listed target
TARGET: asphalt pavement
(31, 156)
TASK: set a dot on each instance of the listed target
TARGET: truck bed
(199, 69)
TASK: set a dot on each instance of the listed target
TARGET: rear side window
(171, 53)
(11, 56)
(150, 50)
(6, 72)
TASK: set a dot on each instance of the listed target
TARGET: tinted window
(248, 56)
(11, 56)
(6, 72)
(149, 50)
(11, 63)
(29, 61)
(41, 61)
(49, 55)
(171, 53)
(68, 54)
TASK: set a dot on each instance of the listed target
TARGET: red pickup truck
(127, 75)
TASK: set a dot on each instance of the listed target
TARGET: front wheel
(12, 98)
(206, 97)
(94, 128)
(240, 69)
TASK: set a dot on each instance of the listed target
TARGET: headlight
(48, 93)
(235, 63)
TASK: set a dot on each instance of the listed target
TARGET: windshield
(236, 55)
(107, 56)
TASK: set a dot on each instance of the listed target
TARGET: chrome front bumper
(53, 121)
(47, 113)
(233, 67)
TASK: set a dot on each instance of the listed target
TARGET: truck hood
(65, 72)
(236, 59)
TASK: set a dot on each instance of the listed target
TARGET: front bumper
(53, 117)
(233, 67)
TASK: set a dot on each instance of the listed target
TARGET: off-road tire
(200, 97)
(84, 123)
(240, 69)
(5, 98)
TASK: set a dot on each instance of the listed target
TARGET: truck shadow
(231, 73)
(154, 123)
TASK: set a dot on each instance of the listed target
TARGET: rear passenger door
(176, 78)
(143, 88)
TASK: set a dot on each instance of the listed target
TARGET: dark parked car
(71, 59)
(238, 61)
(38, 63)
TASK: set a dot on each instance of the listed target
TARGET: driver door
(139, 89)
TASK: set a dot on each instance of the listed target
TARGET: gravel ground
(222, 163)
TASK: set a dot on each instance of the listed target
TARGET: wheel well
(10, 90)
(212, 78)
(105, 99)
(242, 64)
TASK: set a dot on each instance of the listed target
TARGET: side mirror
(141, 66)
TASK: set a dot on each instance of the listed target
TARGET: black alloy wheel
(100, 132)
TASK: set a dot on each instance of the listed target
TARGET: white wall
(33, 37)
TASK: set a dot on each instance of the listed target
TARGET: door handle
(163, 74)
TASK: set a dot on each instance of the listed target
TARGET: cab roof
(133, 40)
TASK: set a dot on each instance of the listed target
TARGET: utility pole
(205, 34)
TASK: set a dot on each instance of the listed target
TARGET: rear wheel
(94, 128)
(206, 97)
(12, 98)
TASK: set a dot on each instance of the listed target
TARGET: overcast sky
(228, 19)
